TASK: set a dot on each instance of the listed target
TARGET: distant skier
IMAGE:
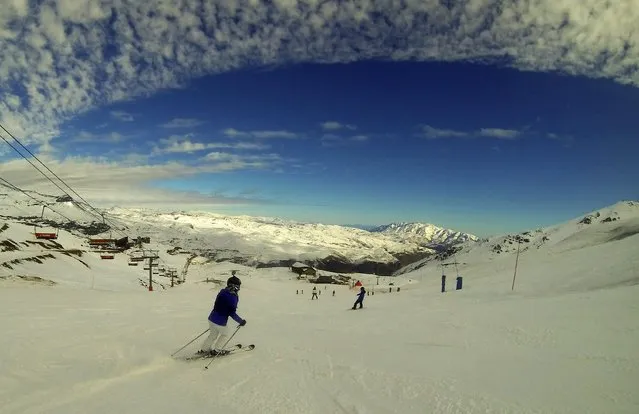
(314, 296)
(360, 298)
(333, 293)
(225, 306)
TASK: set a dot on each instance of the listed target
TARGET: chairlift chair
(47, 235)
(102, 242)
(136, 256)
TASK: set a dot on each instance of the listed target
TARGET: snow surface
(564, 341)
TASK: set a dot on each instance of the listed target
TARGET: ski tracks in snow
(71, 395)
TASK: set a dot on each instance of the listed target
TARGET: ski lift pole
(516, 262)
(150, 274)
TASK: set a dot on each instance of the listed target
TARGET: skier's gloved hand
(243, 322)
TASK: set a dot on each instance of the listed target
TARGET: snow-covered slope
(597, 228)
(70, 261)
(425, 233)
(272, 241)
(564, 341)
(242, 239)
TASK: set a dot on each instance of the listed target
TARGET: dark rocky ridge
(331, 263)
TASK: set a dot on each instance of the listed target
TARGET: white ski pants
(216, 339)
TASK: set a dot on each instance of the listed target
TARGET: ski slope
(92, 340)
(481, 349)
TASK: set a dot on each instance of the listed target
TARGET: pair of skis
(235, 349)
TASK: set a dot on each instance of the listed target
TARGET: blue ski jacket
(360, 295)
(225, 306)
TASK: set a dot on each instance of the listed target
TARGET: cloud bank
(126, 181)
(64, 57)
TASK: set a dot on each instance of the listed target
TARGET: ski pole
(231, 337)
(193, 340)
(224, 346)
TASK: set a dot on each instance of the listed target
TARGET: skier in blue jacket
(225, 306)
(360, 298)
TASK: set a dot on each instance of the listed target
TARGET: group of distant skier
(359, 301)
(225, 307)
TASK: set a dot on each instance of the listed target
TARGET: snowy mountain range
(425, 233)
(253, 241)
(597, 228)
(271, 242)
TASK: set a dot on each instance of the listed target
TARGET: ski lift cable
(14, 187)
(54, 174)
(17, 207)
(34, 166)
(48, 169)
(30, 162)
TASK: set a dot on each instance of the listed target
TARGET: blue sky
(337, 128)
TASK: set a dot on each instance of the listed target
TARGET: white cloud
(65, 57)
(274, 134)
(182, 123)
(179, 144)
(122, 116)
(220, 156)
(430, 132)
(331, 125)
(234, 133)
(227, 161)
(499, 133)
(247, 146)
(333, 140)
(334, 125)
(182, 147)
(110, 137)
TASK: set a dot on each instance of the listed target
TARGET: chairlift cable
(14, 187)
(54, 174)
(44, 165)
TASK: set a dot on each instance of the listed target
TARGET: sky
(482, 116)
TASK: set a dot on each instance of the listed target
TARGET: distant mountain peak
(424, 233)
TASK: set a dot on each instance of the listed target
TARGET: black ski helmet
(234, 282)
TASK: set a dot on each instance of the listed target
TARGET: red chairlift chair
(46, 235)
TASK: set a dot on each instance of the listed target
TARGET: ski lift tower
(151, 255)
(444, 265)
